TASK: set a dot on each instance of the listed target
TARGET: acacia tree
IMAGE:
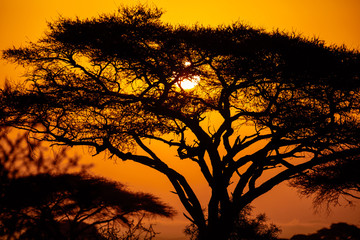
(264, 100)
(41, 199)
(74, 206)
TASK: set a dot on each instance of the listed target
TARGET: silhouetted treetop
(85, 191)
(130, 62)
(114, 83)
(41, 199)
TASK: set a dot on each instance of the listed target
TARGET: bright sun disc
(189, 83)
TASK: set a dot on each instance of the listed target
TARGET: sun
(189, 82)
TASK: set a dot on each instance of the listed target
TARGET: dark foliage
(40, 200)
(337, 231)
(245, 228)
(72, 206)
(112, 83)
(331, 181)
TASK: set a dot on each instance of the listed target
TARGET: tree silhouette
(268, 106)
(331, 181)
(49, 203)
(337, 231)
(72, 206)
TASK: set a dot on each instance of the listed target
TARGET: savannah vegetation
(267, 107)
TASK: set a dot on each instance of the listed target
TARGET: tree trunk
(219, 228)
(219, 231)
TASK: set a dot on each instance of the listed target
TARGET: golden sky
(336, 22)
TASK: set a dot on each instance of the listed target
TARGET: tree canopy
(264, 100)
(72, 206)
(41, 199)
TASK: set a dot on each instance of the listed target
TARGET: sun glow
(188, 82)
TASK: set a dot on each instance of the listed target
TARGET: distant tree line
(337, 231)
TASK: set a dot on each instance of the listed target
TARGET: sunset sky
(336, 22)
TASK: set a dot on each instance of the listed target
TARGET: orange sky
(336, 22)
